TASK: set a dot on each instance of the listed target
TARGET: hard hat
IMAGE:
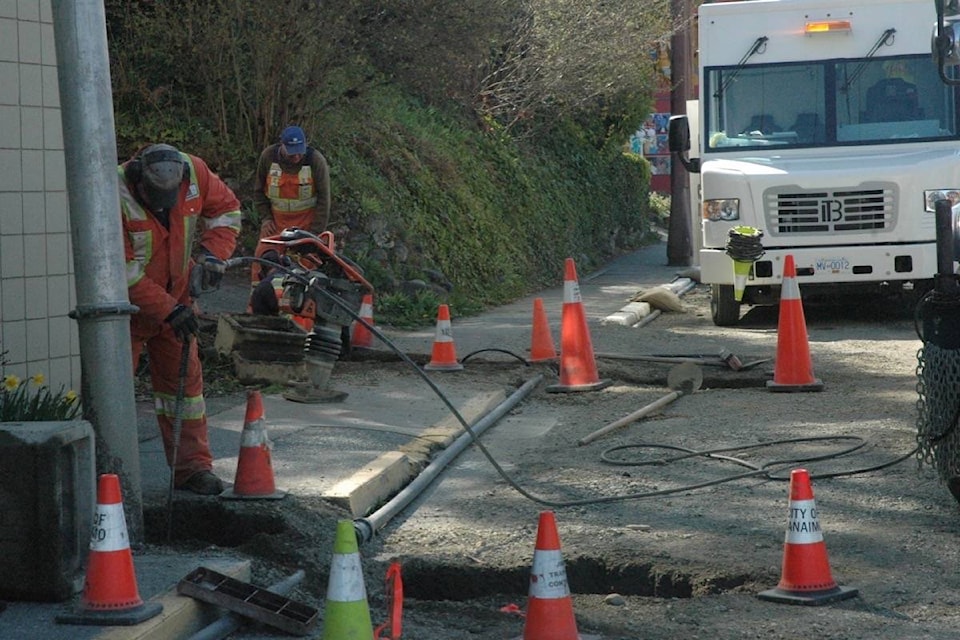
(161, 170)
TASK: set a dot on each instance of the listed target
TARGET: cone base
(593, 386)
(310, 394)
(230, 494)
(455, 366)
(124, 618)
(812, 598)
(539, 359)
(816, 385)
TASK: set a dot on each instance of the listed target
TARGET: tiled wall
(36, 265)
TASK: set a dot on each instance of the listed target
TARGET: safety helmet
(161, 172)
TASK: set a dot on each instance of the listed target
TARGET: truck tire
(724, 308)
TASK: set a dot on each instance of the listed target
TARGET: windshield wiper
(885, 38)
(754, 48)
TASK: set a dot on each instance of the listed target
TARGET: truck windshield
(828, 103)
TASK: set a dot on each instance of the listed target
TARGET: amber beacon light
(828, 26)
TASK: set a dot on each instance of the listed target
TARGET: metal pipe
(229, 623)
(103, 306)
(368, 526)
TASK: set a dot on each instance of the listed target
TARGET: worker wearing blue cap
(293, 189)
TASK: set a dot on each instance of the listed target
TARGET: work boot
(204, 483)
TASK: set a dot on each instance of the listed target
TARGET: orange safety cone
(361, 335)
(805, 577)
(444, 356)
(549, 606)
(254, 477)
(542, 348)
(793, 370)
(578, 369)
(346, 613)
(110, 593)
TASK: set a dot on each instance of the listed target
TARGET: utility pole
(679, 243)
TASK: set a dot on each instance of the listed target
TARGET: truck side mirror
(678, 140)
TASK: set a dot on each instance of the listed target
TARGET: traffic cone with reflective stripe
(347, 614)
(542, 348)
(444, 356)
(110, 593)
(254, 477)
(549, 606)
(578, 369)
(805, 577)
(793, 369)
(361, 336)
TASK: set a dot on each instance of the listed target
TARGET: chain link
(938, 409)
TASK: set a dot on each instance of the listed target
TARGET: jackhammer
(937, 320)
(319, 288)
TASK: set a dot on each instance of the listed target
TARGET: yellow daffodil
(71, 396)
(37, 379)
(11, 382)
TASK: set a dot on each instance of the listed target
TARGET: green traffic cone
(347, 615)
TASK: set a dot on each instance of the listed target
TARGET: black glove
(183, 322)
(213, 270)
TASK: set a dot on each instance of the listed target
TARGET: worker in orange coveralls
(165, 195)
(292, 190)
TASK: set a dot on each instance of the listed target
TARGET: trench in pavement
(432, 579)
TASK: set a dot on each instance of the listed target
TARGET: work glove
(183, 322)
(213, 270)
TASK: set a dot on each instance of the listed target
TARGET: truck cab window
(831, 102)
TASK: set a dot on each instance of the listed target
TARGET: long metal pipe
(366, 527)
(103, 306)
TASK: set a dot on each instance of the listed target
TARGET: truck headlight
(726, 209)
(930, 197)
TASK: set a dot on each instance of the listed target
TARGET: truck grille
(830, 211)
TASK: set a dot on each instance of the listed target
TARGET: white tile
(34, 257)
(34, 217)
(12, 305)
(31, 127)
(54, 171)
(9, 127)
(10, 177)
(31, 85)
(60, 337)
(9, 50)
(48, 52)
(51, 88)
(46, 11)
(38, 340)
(60, 374)
(57, 220)
(13, 340)
(28, 10)
(36, 302)
(52, 129)
(8, 8)
(32, 162)
(11, 256)
(29, 36)
(9, 83)
(58, 258)
(58, 295)
(11, 213)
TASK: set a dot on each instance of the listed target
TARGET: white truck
(824, 124)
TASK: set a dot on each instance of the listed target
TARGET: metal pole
(103, 306)
(679, 246)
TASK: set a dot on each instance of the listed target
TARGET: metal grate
(830, 211)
